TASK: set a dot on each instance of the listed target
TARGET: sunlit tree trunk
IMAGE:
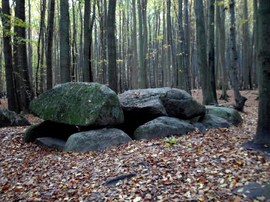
(263, 64)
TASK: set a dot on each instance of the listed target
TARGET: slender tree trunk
(134, 68)
(112, 66)
(211, 53)
(186, 64)
(39, 46)
(29, 45)
(64, 42)
(11, 93)
(87, 71)
(263, 64)
(49, 52)
(239, 99)
(221, 52)
(246, 50)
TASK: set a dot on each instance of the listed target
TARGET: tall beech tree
(263, 64)
(25, 89)
(111, 40)
(64, 24)
(239, 99)
(207, 88)
(12, 105)
(49, 52)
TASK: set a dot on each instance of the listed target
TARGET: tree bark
(263, 64)
(208, 97)
(11, 93)
(111, 40)
(87, 72)
(49, 52)
(211, 53)
(26, 93)
(239, 99)
(64, 23)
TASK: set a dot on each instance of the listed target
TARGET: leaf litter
(196, 167)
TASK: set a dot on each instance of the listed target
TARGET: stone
(143, 105)
(254, 190)
(95, 140)
(229, 114)
(51, 142)
(212, 121)
(11, 118)
(162, 127)
(82, 104)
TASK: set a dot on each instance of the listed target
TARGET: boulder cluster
(81, 117)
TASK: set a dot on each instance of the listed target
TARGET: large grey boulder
(229, 114)
(82, 104)
(96, 140)
(10, 118)
(143, 105)
(162, 127)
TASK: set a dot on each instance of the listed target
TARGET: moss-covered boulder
(229, 114)
(81, 104)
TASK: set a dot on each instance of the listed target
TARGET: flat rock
(94, 140)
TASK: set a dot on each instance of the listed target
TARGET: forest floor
(195, 167)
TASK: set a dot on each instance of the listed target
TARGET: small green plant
(169, 141)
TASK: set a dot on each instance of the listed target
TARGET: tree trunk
(142, 42)
(49, 52)
(64, 42)
(211, 53)
(39, 46)
(112, 67)
(26, 93)
(134, 66)
(11, 93)
(87, 72)
(263, 127)
(239, 99)
(186, 64)
(208, 97)
(221, 50)
(247, 83)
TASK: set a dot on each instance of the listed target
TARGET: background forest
(128, 44)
